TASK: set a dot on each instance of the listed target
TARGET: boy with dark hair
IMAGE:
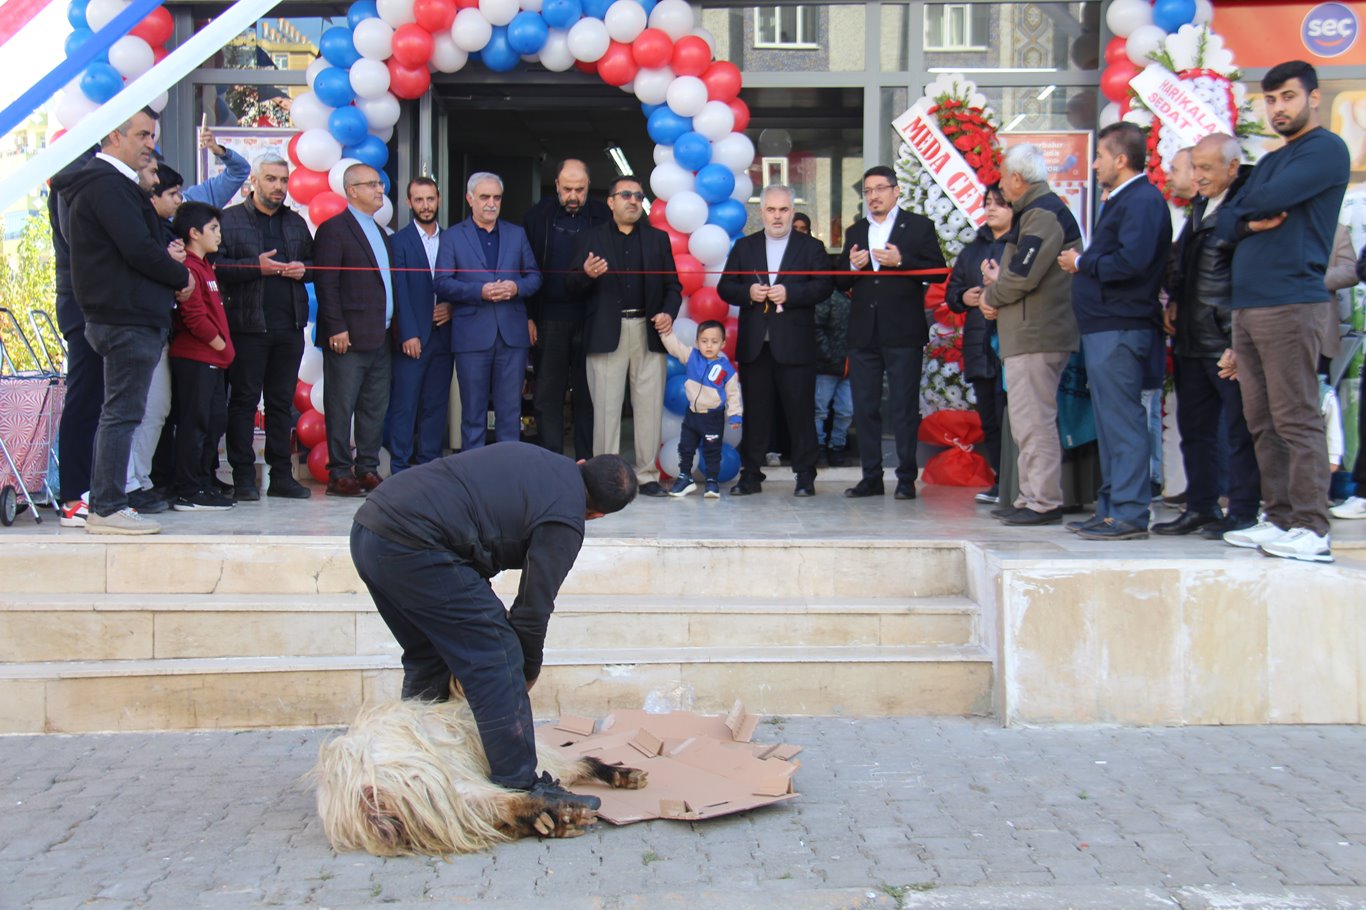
(201, 351)
(713, 391)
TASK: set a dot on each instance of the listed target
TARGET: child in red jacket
(201, 350)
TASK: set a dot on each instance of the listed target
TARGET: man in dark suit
(421, 386)
(777, 342)
(628, 277)
(355, 308)
(887, 327)
(485, 270)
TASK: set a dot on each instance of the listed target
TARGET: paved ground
(894, 813)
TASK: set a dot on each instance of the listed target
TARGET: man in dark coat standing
(887, 327)
(777, 343)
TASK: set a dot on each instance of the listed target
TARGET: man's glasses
(631, 195)
(369, 183)
(874, 190)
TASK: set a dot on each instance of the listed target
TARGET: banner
(945, 164)
(1179, 109)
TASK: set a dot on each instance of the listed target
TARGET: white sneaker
(1263, 532)
(1302, 544)
(1354, 507)
(124, 521)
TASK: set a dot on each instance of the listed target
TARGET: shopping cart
(30, 409)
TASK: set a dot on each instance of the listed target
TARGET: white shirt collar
(1119, 189)
(119, 166)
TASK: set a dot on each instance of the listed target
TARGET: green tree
(28, 283)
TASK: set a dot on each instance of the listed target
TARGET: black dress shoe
(905, 489)
(1003, 511)
(1109, 529)
(747, 488)
(287, 488)
(1094, 521)
(865, 487)
(836, 457)
(1215, 530)
(1029, 518)
(1185, 523)
(244, 492)
(804, 488)
(652, 489)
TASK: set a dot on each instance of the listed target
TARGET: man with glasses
(887, 327)
(629, 280)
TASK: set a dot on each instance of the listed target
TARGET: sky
(33, 51)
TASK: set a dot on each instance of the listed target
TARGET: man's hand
(413, 348)
(295, 270)
(531, 330)
(1228, 365)
(268, 264)
(1169, 319)
(218, 343)
(777, 294)
(498, 291)
(991, 271)
(1067, 261)
(531, 682)
(758, 292)
(176, 250)
(187, 290)
(340, 343)
(972, 297)
(594, 266)
(663, 323)
(858, 258)
(441, 313)
(1266, 224)
(989, 312)
(889, 257)
(206, 141)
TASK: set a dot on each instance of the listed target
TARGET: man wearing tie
(422, 324)
(485, 270)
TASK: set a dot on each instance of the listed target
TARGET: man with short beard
(262, 266)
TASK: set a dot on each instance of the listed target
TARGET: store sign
(1179, 109)
(943, 161)
(1329, 30)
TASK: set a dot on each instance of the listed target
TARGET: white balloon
(159, 103)
(374, 39)
(715, 120)
(384, 135)
(555, 55)
(311, 365)
(625, 21)
(533, 6)
(99, 13)
(686, 330)
(706, 36)
(652, 85)
(381, 111)
(317, 66)
(1109, 114)
(369, 78)
(588, 40)
(735, 151)
(396, 12)
(470, 30)
(711, 279)
(1141, 117)
(337, 174)
(669, 179)
(385, 213)
(670, 424)
(1204, 12)
(315, 394)
(73, 107)
(1143, 41)
(499, 12)
(317, 150)
(664, 154)
(686, 211)
(307, 112)
(447, 56)
(1124, 16)
(673, 17)
(744, 187)
(131, 56)
(687, 96)
(710, 244)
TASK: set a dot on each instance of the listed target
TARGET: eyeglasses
(628, 194)
(369, 183)
(874, 190)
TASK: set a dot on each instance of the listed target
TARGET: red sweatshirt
(201, 319)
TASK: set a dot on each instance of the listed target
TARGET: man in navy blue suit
(485, 270)
(420, 391)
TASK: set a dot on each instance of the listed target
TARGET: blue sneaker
(682, 486)
(713, 490)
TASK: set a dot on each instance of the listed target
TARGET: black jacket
(538, 222)
(69, 317)
(889, 308)
(120, 271)
(792, 333)
(239, 266)
(1200, 281)
(979, 360)
(660, 291)
(832, 335)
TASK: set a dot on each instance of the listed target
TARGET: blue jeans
(834, 390)
(1114, 371)
(131, 354)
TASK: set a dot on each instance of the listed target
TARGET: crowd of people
(183, 318)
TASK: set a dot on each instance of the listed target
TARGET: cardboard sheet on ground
(700, 766)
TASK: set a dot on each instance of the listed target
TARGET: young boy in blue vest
(713, 392)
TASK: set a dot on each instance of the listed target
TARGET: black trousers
(901, 366)
(769, 385)
(1204, 402)
(705, 429)
(266, 365)
(563, 367)
(449, 622)
(991, 407)
(199, 396)
(80, 416)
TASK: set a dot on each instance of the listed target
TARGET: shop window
(789, 25)
(957, 26)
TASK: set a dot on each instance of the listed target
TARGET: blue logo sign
(1330, 29)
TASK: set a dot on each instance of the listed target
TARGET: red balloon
(57, 135)
(290, 152)
(305, 185)
(657, 215)
(156, 29)
(722, 79)
(302, 402)
(617, 66)
(317, 461)
(159, 54)
(434, 15)
(692, 56)
(652, 48)
(1114, 82)
(1116, 50)
(690, 273)
(312, 429)
(325, 205)
(732, 336)
(584, 66)
(412, 45)
(466, 4)
(677, 242)
(741, 112)
(409, 82)
(706, 304)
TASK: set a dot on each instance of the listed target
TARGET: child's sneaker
(713, 490)
(74, 515)
(682, 486)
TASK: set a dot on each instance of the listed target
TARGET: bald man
(552, 226)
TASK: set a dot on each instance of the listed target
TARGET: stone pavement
(894, 812)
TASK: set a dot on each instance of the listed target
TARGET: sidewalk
(894, 812)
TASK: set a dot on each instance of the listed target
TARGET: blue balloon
(561, 13)
(692, 150)
(596, 8)
(1170, 15)
(370, 150)
(360, 11)
(648, 109)
(312, 302)
(648, 4)
(665, 126)
(675, 398)
(674, 365)
(384, 179)
(730, 463)
(337, 47)
(715, 182)
(75, 14)
(527, 33)
(730, 214)
(74, 40)
(498, 55)
(100, 82)
(348, 125)
(333, 87)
